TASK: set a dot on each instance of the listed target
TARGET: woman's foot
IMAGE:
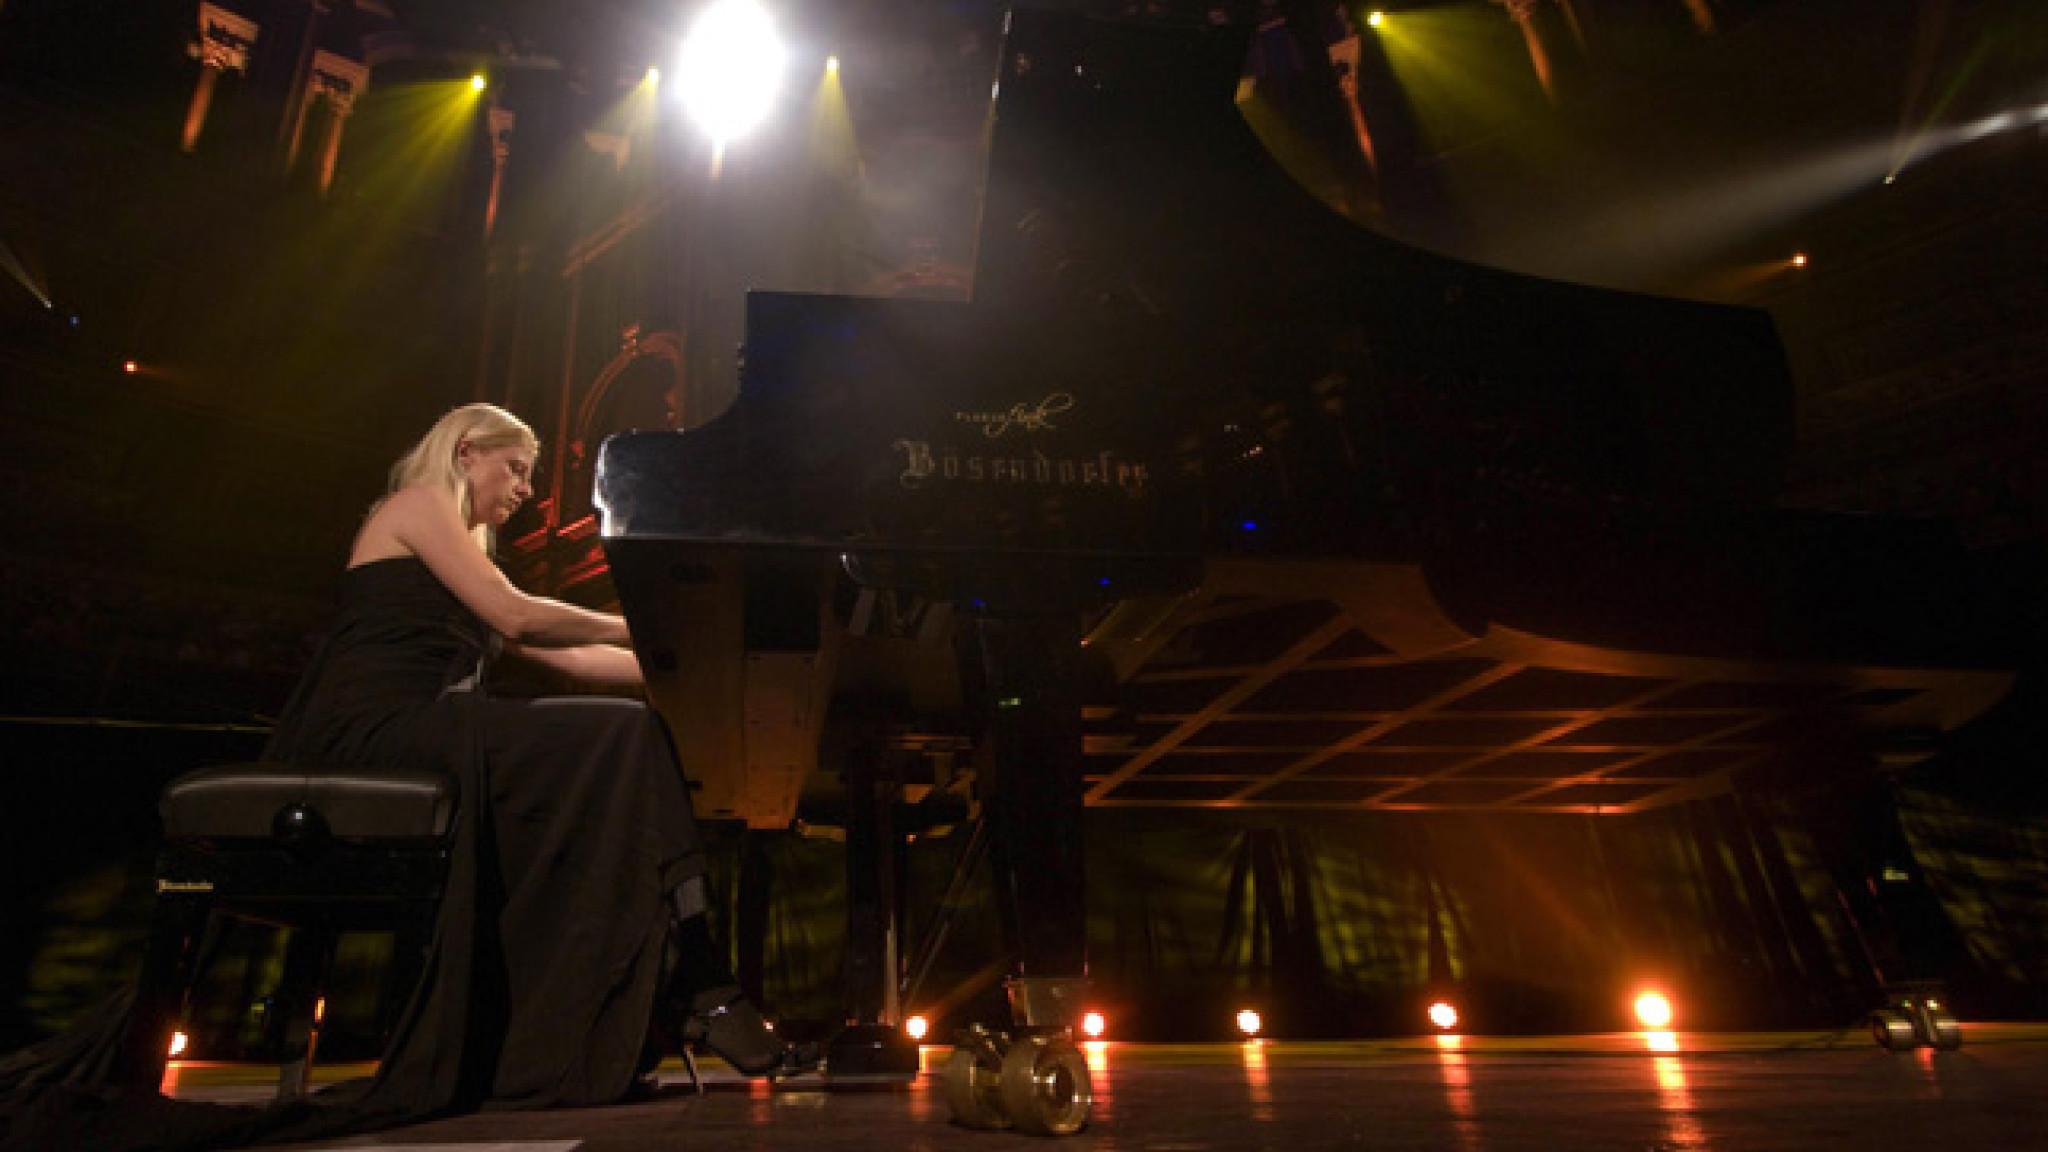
(723, 1022)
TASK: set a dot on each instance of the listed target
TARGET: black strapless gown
(573, 829)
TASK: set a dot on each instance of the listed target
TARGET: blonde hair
(435, 461)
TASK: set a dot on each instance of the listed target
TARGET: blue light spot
(1250, 525)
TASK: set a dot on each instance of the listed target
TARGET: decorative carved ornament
(337, 80)
(224, 39)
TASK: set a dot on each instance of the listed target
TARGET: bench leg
(166, 976)
(308, 956)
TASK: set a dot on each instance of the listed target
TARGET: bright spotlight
(1799, 259)
(130, 367)
(731, 67)
(653, 75)
(478, 82)
(1444, 1015)
(831, 63)
(916, 1027)
(178, 1044)
(1376, 19)
(1093, 1025)
(1653, 1010)
(1248, 1022)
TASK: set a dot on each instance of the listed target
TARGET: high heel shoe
(723, 1022)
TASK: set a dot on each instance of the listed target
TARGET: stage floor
(1631, 1091)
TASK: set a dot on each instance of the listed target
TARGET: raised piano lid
(1177, 358)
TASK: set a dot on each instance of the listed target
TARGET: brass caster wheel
(1948, 1033)
(973, 1092)
(1046, 1088)
(1892, 1030)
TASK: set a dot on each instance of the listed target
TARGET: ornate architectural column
(335, 81)
(223, 46)
(1540, 31)
(1524, 12)
(502, 122)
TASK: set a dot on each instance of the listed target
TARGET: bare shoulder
(395, 521)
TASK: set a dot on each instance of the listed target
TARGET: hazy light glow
(1376, 19)
(1928, 142)
(1799, 259)
(21, 276)
(1248, 1022)
(1653, 1010)
(1660, 1040)
(731, 69)
(178, 1044)
(477, 82)
(1444, 1015)
(1093, 1025)
(1096, 1053)
(916, 1027)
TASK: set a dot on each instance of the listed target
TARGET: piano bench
(316, 851)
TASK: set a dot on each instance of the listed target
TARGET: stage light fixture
(478, 83)
(1093, 1025)
(130, 367)
(653, 75)
(1248, 1022)
(1376, 19)
(1444, 1015)
(731, 68)
(1799, 259)
(917, 1027)
(178, 1044)
(1653, 1010)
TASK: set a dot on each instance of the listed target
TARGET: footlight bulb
(1653, 1010)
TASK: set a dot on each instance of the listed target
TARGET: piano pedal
(1035, 1081)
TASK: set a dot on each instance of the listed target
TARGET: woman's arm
(598, 663)
(425, 522)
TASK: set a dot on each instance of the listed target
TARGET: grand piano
(1212, 497)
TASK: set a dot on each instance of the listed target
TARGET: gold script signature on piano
(923, 464)
(1023, 417)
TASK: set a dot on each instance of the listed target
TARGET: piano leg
(1023, 673)
(873, 1047)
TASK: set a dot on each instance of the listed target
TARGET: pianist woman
(581, 875)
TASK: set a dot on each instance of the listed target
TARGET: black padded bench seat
(260, 801)
(316, 850)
